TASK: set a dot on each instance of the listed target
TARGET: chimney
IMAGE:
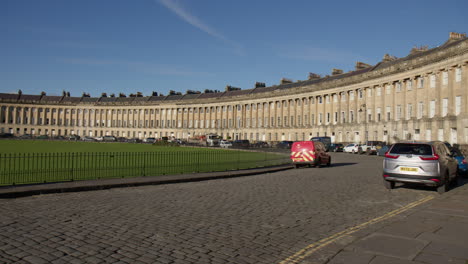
(232, 88)
(336, 71)
(286, 81)
(139, 94)
(456, 36)
(387, 57)
(361, 66)
(192, 92)
(104, 95)
(314, 76)
(121, 95)
(155, 93)
(208, 91)
(260, 84)
(419, 49)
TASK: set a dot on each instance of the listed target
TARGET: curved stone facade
(422, 96)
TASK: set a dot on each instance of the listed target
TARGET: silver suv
(428, 163)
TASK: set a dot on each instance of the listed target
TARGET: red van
(310, 153)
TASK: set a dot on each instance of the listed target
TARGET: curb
(103, 184)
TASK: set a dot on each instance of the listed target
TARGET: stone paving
(256, 219)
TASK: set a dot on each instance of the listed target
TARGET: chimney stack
(362, 65)
(336, 71)
(314, 76)
(286, 81)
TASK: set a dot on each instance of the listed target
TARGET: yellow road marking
(308, 250)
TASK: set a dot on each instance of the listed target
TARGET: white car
(351, 148)
(225, 144)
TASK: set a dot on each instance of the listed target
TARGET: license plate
(408, 169)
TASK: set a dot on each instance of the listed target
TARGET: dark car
(134, 140)
(260, 144)
(6, 135)
(42, 137)
(284, 144)
(25, 136)
(241, 143)
(338, 147)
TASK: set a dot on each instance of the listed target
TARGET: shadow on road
(342, 164)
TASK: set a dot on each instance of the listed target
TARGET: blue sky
(128, 46)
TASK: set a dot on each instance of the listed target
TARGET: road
(254, 219)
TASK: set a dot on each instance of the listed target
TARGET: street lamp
(361, 110)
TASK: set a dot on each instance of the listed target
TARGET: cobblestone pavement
(255, 219)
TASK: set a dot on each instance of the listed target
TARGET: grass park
(43, 161)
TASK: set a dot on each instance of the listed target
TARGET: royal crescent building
(422, 96)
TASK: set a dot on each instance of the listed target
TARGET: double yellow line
(310, 249)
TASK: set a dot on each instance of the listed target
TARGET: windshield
(415, 149)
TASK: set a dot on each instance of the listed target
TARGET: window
(335, 120)
(421, 82)
(432, 108)
(398, 112)
(432, 83)
(444, 78)
(343, 117)
(378, 113)
(327, 98)
(351, 95)
(458, 74)
(388, 110)
(369, 92)
(320, 119)
(379, 91)
(409, 85)
(444, 107)
(398, 86)
(361, 95)
(335, 98)
(457, 105)
(420, 110)
(351, 116)
(328, 118)
(343, 97)
(388, 89)
(320, 99)
(409, 111)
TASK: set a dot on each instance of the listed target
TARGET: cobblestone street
(255, 219)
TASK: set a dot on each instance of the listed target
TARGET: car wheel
(329, 162)
(368, 152)
(296, 166)
(389, 184)
(353, 152)
(445, 186)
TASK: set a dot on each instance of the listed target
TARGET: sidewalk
(90, 185)
(434, 232)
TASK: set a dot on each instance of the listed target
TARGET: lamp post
(362, 110)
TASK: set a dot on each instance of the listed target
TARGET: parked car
(99, 138)
(241, 143)
(122, 139)
(309, 153)
(370, 147)
(351, 148)
(383, 150)
(260, 144)
(25, 136)
(225, 144)
(109, 139)
(427, 163)
(89, 139)
(336, 147)
(74, 137)
(6, 135)
(149, 140)
(284, 144)
(461, 162)
(134, 140)
(42, 137)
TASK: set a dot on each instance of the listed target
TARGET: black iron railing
(58, 167)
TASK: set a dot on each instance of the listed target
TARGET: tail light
(464, 161)
(387, 155)
(434, 157)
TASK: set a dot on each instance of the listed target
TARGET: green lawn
(35, 161)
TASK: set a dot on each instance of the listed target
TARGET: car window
(415, 149)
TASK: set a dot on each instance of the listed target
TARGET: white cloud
(185, 15)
